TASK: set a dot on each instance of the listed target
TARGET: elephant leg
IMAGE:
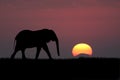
(45, 47)
(14, 53)
(23, 54)
(37, 53)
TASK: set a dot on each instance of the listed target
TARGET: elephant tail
(14, 44)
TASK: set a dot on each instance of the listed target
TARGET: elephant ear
(52, 35)
(54, 38)
(46, 35)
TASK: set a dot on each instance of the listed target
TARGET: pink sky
(96, 22)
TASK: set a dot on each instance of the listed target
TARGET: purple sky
(96, 22)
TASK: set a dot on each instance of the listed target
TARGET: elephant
(39, 39)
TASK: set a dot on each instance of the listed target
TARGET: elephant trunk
(57, 46)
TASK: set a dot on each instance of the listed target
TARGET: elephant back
(24, 34)
(44, 35)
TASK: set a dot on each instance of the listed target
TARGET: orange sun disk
(82, 48)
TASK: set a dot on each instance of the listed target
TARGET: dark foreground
(71, 69)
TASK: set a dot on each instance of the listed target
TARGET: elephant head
(50, 35)
(54, 38)
(28, 39)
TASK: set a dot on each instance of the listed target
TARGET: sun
(82, 48)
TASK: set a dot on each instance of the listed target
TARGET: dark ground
(62, 69)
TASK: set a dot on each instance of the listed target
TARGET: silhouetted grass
(88, 68)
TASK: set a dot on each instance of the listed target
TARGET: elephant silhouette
(39, 39)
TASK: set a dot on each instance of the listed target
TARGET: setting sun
(82, 48)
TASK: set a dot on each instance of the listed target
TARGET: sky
(96, 22)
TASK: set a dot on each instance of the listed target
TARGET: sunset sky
(96, 22)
